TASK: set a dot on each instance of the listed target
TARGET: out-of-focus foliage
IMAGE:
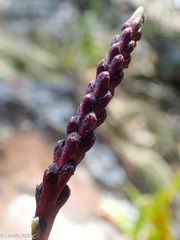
(152, 219)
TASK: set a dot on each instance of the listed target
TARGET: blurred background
(127, 187)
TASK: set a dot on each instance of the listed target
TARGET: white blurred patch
(20, 211)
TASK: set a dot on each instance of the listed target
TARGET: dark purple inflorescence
(91, 113)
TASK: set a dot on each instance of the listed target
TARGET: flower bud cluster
(52, 194)
(91, 112)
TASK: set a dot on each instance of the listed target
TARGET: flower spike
(53, 192)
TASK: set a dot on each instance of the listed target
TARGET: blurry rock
(45, 17)
(65, 15)
(5, 5)
(58, 114)
(32, 8)
(104, 167)
(31, 103)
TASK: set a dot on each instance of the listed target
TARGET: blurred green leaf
(120, 216)
(154, 220)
